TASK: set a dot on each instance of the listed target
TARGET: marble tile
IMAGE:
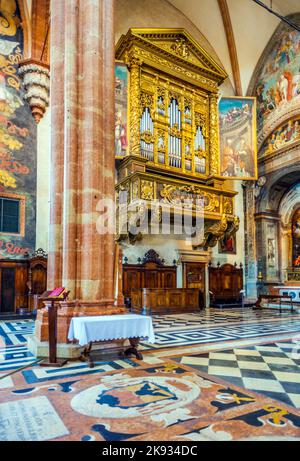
(164, 403)
(263, 385)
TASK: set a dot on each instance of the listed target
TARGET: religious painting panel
(121, 109)
(296, 239)
(17, 138)
(227, 245)
(238, 146)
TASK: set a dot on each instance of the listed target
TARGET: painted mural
(278, 82)
(121, 86)
(17, 132)
(282, 137)
(238, 149)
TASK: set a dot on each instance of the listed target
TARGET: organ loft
(173, 131)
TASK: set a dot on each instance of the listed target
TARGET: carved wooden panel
(226, 282)
(21, 281)
(151, 273)
(13, 288)
(194, 275)
(178, 300)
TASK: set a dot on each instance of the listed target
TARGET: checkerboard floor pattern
(269, 369)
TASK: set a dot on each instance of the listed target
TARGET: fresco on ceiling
(278, 83)
(17, 133)
(282, 137)
(121, 88)
(238, 147)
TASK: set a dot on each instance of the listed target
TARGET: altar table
(88, 330)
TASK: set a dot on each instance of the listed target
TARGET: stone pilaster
(250, 242)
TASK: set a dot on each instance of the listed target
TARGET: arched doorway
(278, 208)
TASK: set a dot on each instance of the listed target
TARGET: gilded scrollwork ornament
(211, 202)
(180, 47)
(147, 100)
(228, 205)
(148, 137)
(233, 227)
(212, 234)
(147, 190)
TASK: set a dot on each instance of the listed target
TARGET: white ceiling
(252, 27)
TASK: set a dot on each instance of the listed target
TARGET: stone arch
(289, 204)
(276, 187)
(275, 204)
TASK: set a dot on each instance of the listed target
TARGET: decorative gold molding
(214, 141)
(176, 46)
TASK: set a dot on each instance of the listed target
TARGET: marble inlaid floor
(166, 402)
(237, 379)
(272, 369)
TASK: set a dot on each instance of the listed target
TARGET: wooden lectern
(54, 296)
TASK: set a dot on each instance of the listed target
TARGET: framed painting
(121, 109)
(238, 145)
(227, 245)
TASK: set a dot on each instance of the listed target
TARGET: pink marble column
(83, 164)
(57, 143)
(96, 114)
(71, 147)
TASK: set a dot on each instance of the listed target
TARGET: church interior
(149, 220)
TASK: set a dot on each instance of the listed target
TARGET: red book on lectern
(56, 293)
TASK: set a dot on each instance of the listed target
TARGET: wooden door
(7, 286)
(194, 275)
(131, 280)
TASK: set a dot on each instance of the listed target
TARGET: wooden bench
(270, 297)
(163, 301)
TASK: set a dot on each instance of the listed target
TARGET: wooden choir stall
(226, 284)
(150, 287)
(22, 281)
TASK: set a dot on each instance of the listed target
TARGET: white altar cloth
(111, 327)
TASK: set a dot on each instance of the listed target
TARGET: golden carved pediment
(176, 44)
